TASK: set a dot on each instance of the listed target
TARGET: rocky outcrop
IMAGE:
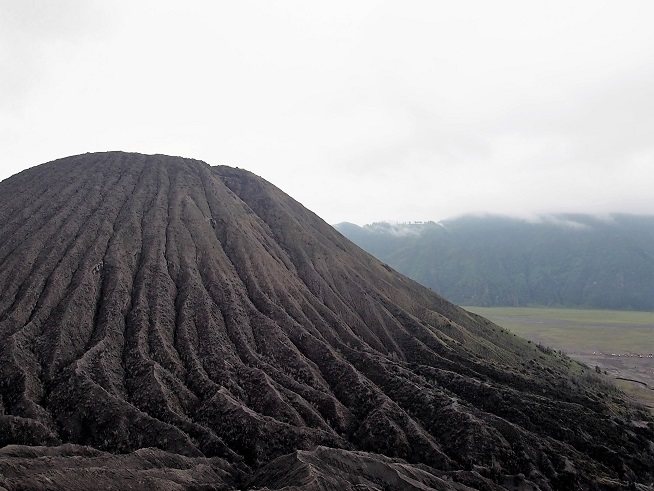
(158, 302)
(74, 468)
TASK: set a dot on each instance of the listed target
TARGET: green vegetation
(637, 392)
(577, 330)
(557, 261)
(616, 343)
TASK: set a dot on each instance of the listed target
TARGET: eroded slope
(152, 301)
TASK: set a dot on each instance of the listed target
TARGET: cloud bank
(363, 111)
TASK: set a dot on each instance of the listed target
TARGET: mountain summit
(166, 321)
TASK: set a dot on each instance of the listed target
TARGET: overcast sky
(362, 111)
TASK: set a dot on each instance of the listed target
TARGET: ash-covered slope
(153, 301)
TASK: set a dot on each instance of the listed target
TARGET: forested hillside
(561, 260)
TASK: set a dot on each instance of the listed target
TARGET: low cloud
(365, 112)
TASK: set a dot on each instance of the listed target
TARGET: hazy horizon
(363, 111)
(563, 218)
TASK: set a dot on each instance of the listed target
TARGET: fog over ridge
(362, 111)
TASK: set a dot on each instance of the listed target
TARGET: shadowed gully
(154, 302)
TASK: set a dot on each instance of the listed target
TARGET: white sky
(363, 111)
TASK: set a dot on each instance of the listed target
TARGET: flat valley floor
(620, 343)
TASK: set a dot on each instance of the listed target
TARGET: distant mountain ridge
(568, 260)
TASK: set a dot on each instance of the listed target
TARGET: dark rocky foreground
(169, 325)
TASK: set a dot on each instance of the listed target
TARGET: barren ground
(157, 302)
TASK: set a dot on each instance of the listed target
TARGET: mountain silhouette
(180, 326)
(566, 260)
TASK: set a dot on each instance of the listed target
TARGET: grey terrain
(165, 324)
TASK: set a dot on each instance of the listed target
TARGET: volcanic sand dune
(157, 302)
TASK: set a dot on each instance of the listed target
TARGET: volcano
(166, 324)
